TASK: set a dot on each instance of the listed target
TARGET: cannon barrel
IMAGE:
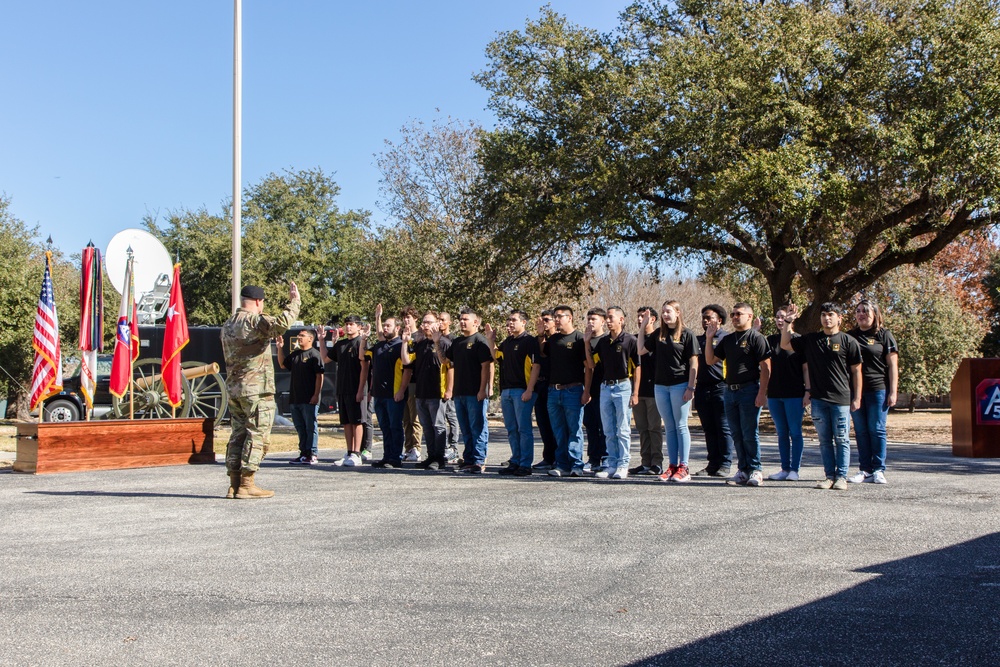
(145, 383)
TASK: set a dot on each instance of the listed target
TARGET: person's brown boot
(234, 483)
(250, 490)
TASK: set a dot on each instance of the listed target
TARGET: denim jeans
(390, 420)
(451, 416)
(517, 421)
(787, 416)
(832, 429)
(711, 406)
(566, 414)
(304, 417)
(544, 423)
(744, 418)
(616, 418)
(475, 430)
(435, 427)
(869, 430)
(650, 427)
(675, 413)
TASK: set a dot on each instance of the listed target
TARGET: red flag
(46, 375)
(126, 338)
(91, 321)
(175, 337)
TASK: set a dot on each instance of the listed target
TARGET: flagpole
(237, 147)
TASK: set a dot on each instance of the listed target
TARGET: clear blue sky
(113, 109)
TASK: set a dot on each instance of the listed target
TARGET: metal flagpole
(237, 140)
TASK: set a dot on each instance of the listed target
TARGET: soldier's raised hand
(378, 311)
(293, 291)
(490, 334)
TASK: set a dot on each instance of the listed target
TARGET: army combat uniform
(246, 343)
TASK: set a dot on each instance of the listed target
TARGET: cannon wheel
(151, 403)
(209, 397)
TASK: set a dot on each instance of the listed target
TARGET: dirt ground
(930, 426)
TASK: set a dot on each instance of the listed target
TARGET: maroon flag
(175, 337)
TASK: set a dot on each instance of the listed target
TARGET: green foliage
(824, 142)
(292, 230)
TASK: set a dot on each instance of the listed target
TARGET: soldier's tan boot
(234, 483)
(250, 490)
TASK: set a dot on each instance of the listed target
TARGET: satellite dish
(151, 261)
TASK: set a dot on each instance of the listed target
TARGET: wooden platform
(112, 444)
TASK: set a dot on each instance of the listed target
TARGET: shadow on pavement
(937, 608)
(126, 494)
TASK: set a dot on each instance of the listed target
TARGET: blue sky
(113, 110)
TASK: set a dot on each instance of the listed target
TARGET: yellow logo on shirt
(835, 347)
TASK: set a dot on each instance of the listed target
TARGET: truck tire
(62, 410)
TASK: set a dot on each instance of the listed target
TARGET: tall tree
(823, 141)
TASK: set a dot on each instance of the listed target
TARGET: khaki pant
(252, 419)
(412, 431)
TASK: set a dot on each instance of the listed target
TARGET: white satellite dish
(151, 260)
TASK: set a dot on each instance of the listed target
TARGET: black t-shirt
(710, 375)
(646, 381)
(386, 367)
(743, 351)
(345, 352)
(467, 355)
(673, 358)
(786, 370)
(305, 365)
(429, 375)
(876, 346)
(619, 357)
(517, 355)
(567, 358)
(597, 376)
(829, 359)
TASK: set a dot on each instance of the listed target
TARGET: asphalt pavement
(367, 567)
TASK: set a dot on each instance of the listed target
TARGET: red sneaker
(668, 473)
(682, 474)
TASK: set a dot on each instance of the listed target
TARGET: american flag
(46, 377)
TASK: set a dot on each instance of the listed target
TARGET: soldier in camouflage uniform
(246, 343)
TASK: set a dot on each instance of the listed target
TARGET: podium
(975, 409)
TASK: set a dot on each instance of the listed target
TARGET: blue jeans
(710, 403)
(517, 421)
(475, 430)
(675, 412)
(304, 417)
(832, 429)
(566, 415)
(869, 430)
(744, 417)
(616, 418)
(787, 416)
(390, 420)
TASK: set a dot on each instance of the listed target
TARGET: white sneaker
(603, 473)
(739, 479)
(366, 455)
(860, 478)
(340, 462)
(780, 476)
(352, 460)
(412, 455)
(878, 477)
(792, 476)
(756, 477)
(620, 473)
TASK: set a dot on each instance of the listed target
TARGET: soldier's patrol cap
(252, 292)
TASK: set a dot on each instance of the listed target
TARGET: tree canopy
(823, 143)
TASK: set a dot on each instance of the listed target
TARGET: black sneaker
(522, 471)
(425, 464)
(721, 472)
(655, 470)
(543, 465)
(509, 470)
(638, 470)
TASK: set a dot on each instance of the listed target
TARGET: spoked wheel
(149, 395)
(209, 397)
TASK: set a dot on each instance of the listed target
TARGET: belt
(737, 387)
(559, 387)
(611, 383)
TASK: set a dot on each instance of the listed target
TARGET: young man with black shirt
(785, 402)
(597, 442)
(569, 392)
(545, 326)
(647, 418)
(618, 354)
(409, 320)
(470, 383)
(389, 383)
(352, 396)
(709, 398)
(450, 415)
(430, 381)
(518, 355)
(834, 361)
(748, 369)
(305, 386)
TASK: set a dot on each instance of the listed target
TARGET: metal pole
(237, 140)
